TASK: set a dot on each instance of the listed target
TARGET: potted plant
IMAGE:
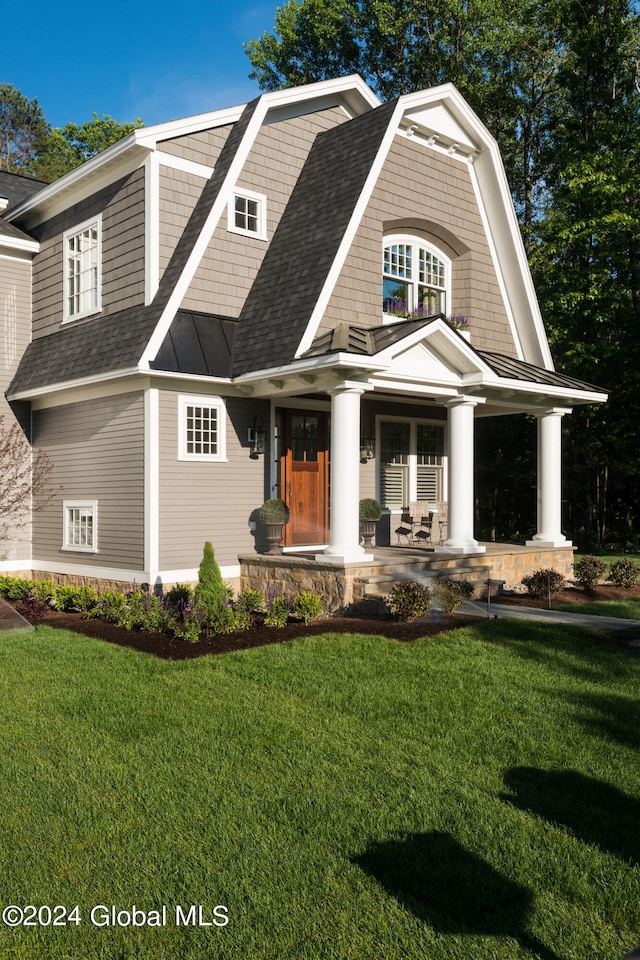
(273, 515)
(370, 512)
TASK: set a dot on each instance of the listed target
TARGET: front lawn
(470, 795)
(625, 609)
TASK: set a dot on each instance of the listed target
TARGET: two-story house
(256, 303)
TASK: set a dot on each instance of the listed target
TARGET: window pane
(201, 430)
(429, 444)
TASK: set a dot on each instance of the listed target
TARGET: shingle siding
(203, 147)
(122, 209)
(97, 452)
(202, 501)
(421, 190)
(230, 265)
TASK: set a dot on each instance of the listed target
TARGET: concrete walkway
(626, 631)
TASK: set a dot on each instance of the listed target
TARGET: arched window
(416, 278)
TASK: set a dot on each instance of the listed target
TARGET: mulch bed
(574, 595)
(171, 648)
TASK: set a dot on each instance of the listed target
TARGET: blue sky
(142, 58)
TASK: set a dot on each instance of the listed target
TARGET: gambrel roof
(279, 324)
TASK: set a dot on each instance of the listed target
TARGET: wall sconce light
(257, 438)
(367, 444)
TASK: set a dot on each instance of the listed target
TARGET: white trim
(151, 478)
(260, 198)
(151, 227)
(80, 505)
(414, 240)
(75, 231)
(212, 403)
(201, 245)
(181, 163)
(19, 243)
(122, 574)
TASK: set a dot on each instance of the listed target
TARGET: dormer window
(248, 214)
(82, 270)
(416, 278)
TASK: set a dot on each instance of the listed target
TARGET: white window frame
(210, 403)
(412, 465)
(68, 316)
(67, 543)
(260, 233)
(419, 243)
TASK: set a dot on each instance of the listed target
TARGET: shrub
(210, 587)
(409, 599)
(369, 509)
(274, 511)
(110, 606)
(15, 588)
(177, 599)
(45, 591)
(451, 594)
(250, 601)
(307, 605)
(70, 598)
(624, 573)
(543, 582)
(32, 609)
(191, 626)
(588, 570)
(278, 610)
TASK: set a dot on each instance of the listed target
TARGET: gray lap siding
(214, 501)
(97, 451)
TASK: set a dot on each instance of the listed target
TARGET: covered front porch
(347, 587)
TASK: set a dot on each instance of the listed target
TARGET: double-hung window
(82, 254)
(202, 428)
(415, 278)
(80, 525)
(248, 214)
(411, 462)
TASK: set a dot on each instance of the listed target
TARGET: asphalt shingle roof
(303, 249)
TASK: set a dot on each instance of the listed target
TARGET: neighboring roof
(198, 343)
(16, 188)
(295, 267)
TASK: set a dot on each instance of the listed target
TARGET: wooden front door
(304, 472)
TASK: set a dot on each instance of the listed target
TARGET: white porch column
(461, 436)
(550, 480)
(344, 541)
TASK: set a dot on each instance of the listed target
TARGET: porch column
(344, 525)
(461, 437)
(550, 480)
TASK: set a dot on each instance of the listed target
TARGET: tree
(68, 147)
(23, 130)
(24, 477)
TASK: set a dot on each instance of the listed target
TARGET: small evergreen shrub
(210, 587)
(307, 606)
(451, 594)
(369, 509)
(588, 571)
(624, 573)
(409, 599)
(541, 582)
(250, 601)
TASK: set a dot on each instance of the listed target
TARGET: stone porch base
(345, 587)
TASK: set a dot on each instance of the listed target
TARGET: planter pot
(368, 531)
(274, 536)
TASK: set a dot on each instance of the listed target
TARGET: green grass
(626, 609)
(474, 795)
